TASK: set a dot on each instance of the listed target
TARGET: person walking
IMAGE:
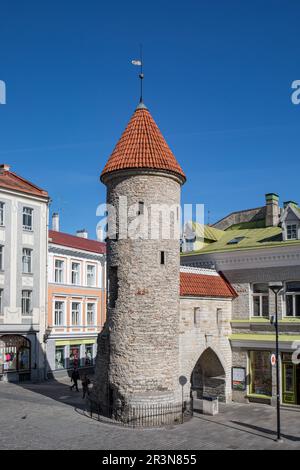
(74, 378)
(85, 386)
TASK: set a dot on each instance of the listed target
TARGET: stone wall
(138, 351)
(207, 328)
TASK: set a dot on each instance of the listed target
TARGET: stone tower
(138, 349)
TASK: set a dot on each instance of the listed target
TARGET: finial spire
(141, 74)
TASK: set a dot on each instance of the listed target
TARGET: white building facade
(23, 277)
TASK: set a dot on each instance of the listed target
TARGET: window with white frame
(1, 257)
(1, 302)
(75, 273)
(292, 296)
(59, 307)
(75, 313)
(90, 314)
(2, 206)
(91, 275)
(59, 271)
(27, 218)
(260, 300)
(27, 261)
(291, 232)
(26, 302)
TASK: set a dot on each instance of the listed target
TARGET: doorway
(290, 380)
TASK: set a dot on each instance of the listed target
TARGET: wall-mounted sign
(239, 378)
(273, 359)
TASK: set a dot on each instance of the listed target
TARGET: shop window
(74, 358)
(293, 299)
(88, 359)
(14, 353)
(60, 357)
(261, 373)
(260, 300)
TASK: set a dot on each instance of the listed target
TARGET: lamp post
(276, 288)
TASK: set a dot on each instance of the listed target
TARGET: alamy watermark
(2, 92)
(295, 97)
(141, 221)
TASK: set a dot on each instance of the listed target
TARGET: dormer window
(291, 231)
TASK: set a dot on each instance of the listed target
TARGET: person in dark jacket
(74, 378)
(85, 386)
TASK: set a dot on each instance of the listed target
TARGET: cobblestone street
(50, 416)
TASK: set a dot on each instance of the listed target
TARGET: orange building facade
(76, 300)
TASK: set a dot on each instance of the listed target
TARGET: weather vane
(141, 75)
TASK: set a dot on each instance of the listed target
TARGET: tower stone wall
(138, 350)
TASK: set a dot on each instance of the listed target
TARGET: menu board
(239, 378)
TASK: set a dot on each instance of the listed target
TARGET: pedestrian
(85, 386)
(74, 378)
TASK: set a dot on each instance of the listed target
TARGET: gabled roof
(290, 208)
(142, 146)
(72, 241)
(200, 282)
(11, 181)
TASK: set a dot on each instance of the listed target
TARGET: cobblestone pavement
(50, 416)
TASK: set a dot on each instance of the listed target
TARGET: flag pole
(141, 73)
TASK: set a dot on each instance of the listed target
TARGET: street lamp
(276, 288)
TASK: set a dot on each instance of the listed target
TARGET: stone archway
(208, 376)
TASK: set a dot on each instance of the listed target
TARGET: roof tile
(142, 146)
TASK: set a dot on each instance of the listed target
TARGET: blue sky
(217, 81)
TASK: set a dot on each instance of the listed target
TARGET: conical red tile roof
(142, 146)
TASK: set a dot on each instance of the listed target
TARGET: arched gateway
(208, 376)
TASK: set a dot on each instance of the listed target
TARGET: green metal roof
(267, 237)
(207, 232)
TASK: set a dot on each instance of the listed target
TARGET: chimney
(82, 233)
(272, 210)
(4, 168)
(292, 203)
(55, 222)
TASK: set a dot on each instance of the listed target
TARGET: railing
(153, 415)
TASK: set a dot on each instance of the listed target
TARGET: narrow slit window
(141, 208)
(162, 257)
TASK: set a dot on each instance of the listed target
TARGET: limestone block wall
(138, 352)
(208, 327)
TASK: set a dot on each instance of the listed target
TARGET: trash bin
(210, 405)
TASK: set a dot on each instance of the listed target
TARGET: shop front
(78, 353)
(290, 380)
(260, 374)
(15, 358)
